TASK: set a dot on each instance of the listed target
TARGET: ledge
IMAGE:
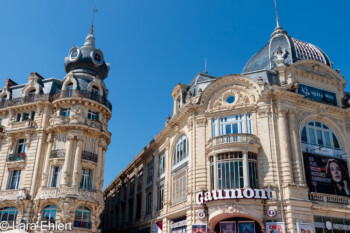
(13, 195)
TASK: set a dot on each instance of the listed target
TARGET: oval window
(230, 99)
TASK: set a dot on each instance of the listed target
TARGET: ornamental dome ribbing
(87, 59)
(290, 50)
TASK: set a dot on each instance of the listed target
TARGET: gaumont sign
(246, 193)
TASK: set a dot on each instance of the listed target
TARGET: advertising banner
(305, 228)
(158, 227)
(317, 94)
(199, 228)
(228, 227)
(326, 174)
(275, 227)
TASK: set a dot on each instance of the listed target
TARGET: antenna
(93, 18)
(205, 66)
(277, 20)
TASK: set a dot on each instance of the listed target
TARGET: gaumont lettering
(247, 193)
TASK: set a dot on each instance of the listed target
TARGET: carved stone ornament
(13, 195)
(5, 92)
(77, 115)
(279, 55)
(32, 84)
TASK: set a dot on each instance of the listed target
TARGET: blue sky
(153, 45)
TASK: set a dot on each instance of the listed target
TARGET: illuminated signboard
(317, 94)
(246, 193)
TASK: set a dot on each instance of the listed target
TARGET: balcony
(13, 195)
(28, 124)
(47, 193)
(245, 141)
(328, 198)
(51, 97)
(82, 94)
(58, 154)
(16, 157)
(89, 156)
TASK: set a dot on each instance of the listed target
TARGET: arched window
(3, 98)
(8, 214)
(69, 87)
(31, 93)
(181, 151)
(82, 217)
(94, 90)
(49, 214)
(319, 134)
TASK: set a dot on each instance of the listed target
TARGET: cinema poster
(305, 228)
(326, 174)
(275, 227)
(228, 227)
(246, 227)
(199, 228)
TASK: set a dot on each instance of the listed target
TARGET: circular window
(74, 54)
(230, 99)
(97, 57)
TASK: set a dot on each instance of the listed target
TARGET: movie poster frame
(203, 224)
(234, 224)
(310, 225)
(276, 223)
(252, 222)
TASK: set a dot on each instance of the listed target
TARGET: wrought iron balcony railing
(89, 156)
(55, 96)
(16, 157)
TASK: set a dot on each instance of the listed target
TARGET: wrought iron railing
(89, 156)
(61, 153)
(16, 157)
(51, 97)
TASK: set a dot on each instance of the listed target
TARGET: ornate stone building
(254, 152)
(54, 135)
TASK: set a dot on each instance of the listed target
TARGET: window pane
(335, 142)
(327, 139)
(303, 135)
(312, 136)
(234, 128)
(319, 138)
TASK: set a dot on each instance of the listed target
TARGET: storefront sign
(317, 94)
(178, 224)
(271, 212)
(275, 227)
(201, 214)
(248, 193)
(325, 174)
(305, 228)
(199, 228)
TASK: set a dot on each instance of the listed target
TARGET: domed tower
(282, 50)
(77, 129)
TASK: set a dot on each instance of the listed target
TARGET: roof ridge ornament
(90, 39)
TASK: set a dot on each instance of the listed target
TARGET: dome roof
(87, 59)
(284, 49)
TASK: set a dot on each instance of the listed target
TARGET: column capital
(70, 137)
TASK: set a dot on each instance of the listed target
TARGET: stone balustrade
(13, 195)
(232, 139)
(328, 198)
(48, 193)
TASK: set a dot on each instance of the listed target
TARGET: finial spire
(93, 19)
(277, 20)
(205, 66)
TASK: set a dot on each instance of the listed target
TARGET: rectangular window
(179, 187)
(18, 117)
(55, 177)
(86, 179)
(14, 177)
(149, 173)
(138, 206)
(25, 116)
(139, 182)
(161, 164)
(214, 128)
(21, 146)
(160, 196)
(93, 115)
(131, 208)
(65, 112)
(149, 197)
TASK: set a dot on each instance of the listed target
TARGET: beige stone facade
(254, 129)
(54, 135)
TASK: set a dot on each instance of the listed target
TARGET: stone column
(65, 169)
(297, 157)
(101, 180)
(245, 170)
(38, 158)
(98, 166)
(283, 134)
(218, 126)
(215, 171)
(45, 175)
(154, 191)
(77, 162)
(245, 126)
